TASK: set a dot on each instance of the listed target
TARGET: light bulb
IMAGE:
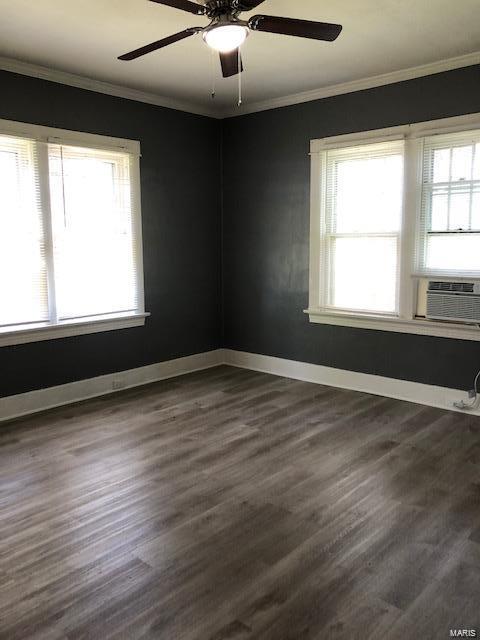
(226, 37)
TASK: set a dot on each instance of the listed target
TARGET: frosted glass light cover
(226, 38)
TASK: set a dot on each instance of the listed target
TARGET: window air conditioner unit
(454, 301)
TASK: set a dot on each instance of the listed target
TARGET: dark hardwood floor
(229, 505)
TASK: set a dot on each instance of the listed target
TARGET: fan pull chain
(212, 69)
(239, 78)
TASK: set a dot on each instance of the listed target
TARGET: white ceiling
(84, 37)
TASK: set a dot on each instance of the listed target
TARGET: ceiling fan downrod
(227, 31)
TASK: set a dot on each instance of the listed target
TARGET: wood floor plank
(234, 505)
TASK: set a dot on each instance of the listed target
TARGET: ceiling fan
(227, 32)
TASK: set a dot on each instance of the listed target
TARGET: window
(389, 210)
(23, 284)
(450, 210)
(70, 234)
(363, 214)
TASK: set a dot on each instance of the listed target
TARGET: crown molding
(356, 85)
(82, 82)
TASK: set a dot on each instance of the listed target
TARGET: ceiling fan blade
(183, 5)
(295, 27)
(248, 5)
(159, 44)
(230, 63)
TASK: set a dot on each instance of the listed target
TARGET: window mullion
(449, 197)
(470, 204)
(411, 231)
(44, 184)
(134, 178)
(318, 246)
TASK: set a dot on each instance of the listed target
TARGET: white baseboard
(378, 385)
(42, 399)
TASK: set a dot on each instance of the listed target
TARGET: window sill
(67, 328)
(397, 325)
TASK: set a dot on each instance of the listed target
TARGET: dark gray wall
(266, 227)
(264, 245)
(180, 174)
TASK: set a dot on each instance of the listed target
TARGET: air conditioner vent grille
(453, 307)
(460, 287)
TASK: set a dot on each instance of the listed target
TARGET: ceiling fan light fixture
(226, 37)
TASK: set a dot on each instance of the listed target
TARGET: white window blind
(70, 233)
(361, 227)
(93, 232)
(23, 280)
(449, 237)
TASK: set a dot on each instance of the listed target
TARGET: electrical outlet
(472, 393)
(117, 384)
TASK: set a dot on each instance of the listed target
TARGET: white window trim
(405, 322)
(66, 137)
(94, 324)
(67, 328)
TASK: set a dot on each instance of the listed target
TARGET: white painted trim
(68, 328)
(42, 399)
(42, 137)
(405, 321)
(90, 84)
(67, 137)
(137, 229)
(415, 130)
(82, 82)
(397, 325)
(425, 394)
(401, 75)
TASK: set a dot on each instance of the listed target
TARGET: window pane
(441, 165)
(367, 194)
(452, 206)
(364, 274)
(440, 211)
(93, 234)
(462, 163)
(23, 284)
(476, 164)
(476, 209)
(456, 252)
(459, 211)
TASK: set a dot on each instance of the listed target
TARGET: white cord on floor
(468, 406)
